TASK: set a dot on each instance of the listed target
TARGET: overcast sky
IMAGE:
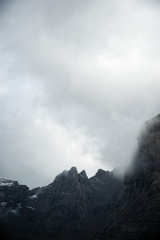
(77, 81)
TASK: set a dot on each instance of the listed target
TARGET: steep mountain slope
(67, 208)
(138, 214)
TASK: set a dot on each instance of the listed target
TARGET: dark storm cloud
(78, 78)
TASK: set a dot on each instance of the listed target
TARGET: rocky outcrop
(12, 196)
(67, 208)
(138, 214)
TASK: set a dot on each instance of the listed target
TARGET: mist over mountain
(77, 81)
(137, 215)
(103, 207)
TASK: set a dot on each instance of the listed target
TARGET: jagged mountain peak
(102, 174)
(73, 171)
(68, 173)
(83, 174)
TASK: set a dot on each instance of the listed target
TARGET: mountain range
(75, 207)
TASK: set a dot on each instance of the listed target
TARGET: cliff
(138, 214)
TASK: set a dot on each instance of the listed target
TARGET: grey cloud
(78, 79)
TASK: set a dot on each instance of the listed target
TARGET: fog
(77, 81)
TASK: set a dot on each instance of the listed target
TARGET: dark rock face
(12, 196)
(68, 208)
(138, 214)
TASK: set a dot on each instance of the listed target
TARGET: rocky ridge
(68, 207)
(103, 207)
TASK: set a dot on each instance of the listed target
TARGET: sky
(77, 81)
